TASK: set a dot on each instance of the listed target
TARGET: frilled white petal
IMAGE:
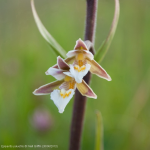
(69, 74)
(72, 53)
(88, 54)
(59, 101)
(56, 73)
(64, 85)
(78, 76)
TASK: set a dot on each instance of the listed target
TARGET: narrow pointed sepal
(98, 70)
(56, 73)
(85, 90)
(62, 64)
(55, 66)
(48, 88)
(68, 60)
(80, 45)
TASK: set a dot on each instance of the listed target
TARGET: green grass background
(25, 56)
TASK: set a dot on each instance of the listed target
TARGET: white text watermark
(29, 146)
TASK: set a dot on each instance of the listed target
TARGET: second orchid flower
(63, 89)
(69, 77)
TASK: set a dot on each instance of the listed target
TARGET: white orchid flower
(62, 90)
(84, 62)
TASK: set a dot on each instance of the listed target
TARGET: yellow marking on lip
(65, 95)
(79, 69)
(61, 94)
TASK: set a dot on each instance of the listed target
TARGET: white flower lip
(59, 101)
(78, 76)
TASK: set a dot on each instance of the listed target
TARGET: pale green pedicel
(105, 45)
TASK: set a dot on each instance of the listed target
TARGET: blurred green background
(26, 119)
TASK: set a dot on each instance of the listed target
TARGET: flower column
(80, 101)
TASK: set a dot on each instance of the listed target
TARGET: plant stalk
(80, 101)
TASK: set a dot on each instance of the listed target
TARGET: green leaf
(59, 51)
(99, 131)
(105, 45)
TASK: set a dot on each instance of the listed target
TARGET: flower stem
(90, 20)
(80, 101)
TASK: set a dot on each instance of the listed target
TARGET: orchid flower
(84, 62)
(62, 90)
